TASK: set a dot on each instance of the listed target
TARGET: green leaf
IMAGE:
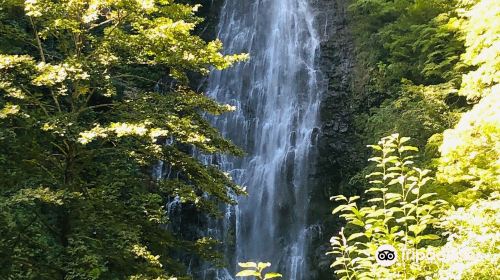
(375, 147)
(405, 219)
(338, 209)
(373, 190)
(391, 159)
(408, 162)
(263, 265)
(355, 235)
(418, 239)
(247, 272)
(403, 140)
(417, 229)
(394, 181)
(408, 148)
(353, 198)
(338, 197)
(272, 275)
(426, 195)
(431, 237)
(375, 159)
(392, 200)
(357, 222)
(373, 174)
(376, 182)
(424, 181)
(394, 168)
(248, 264)
(392, 195)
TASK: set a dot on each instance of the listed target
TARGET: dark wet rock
(338, 143)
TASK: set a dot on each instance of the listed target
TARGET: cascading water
(276, 95)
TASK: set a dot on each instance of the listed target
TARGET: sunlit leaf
(248, 264)
(245, 273)
(272, 275)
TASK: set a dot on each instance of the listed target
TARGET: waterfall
(276, 95)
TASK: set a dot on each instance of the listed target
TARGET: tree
(470, 152)
(89, 92)
(477, 21)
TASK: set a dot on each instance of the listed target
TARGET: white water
(277, 97)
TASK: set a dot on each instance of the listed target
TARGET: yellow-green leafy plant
(470, 152)
(399, 212)
(478, 22)
(473, 247)
(252, 269)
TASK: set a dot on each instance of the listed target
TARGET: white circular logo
(386, 255)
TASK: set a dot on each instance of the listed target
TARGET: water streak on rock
(277, 96)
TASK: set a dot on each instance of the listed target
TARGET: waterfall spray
(277, 97)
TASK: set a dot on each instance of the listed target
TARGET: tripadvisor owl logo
(386, 255)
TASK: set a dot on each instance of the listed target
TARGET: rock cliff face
(209, 11)
(338, 140)
(338, 145)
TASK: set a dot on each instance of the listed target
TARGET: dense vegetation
(431, 70)
(89, 92)
(94, 93)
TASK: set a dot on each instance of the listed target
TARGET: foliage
(425, 63)
(400, 213)
(252, 269)
(479, 24)
(421, 46)
(425, 58)
(472, 250)
(89, 92)
(470, 152)
(406, 39)
(408, 69)
(419, 112)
